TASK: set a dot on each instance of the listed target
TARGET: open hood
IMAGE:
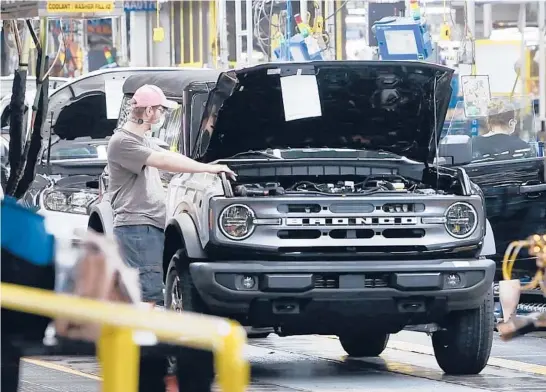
(71, 157)
(395, 106)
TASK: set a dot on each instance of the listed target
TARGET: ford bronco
(341, 220)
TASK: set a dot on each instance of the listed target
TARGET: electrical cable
(263, 11)
(537, 248)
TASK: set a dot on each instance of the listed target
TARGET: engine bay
(388, 183)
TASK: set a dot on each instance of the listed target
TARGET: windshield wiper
(252, 153)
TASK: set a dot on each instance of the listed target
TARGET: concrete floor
(318, 364)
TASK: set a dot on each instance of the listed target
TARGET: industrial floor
(319, 364)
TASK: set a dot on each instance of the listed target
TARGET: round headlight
(461, 220)
(69, 201)
(237, 222)
(55, 201)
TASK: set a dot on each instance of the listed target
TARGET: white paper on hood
(113, 90)
(300, 97)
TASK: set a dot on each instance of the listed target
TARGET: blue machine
(298, 48)
(402, 39)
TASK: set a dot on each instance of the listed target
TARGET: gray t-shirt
(136, 191)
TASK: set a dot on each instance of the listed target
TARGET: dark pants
(194, 369)
(142, 248)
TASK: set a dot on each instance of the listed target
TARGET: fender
(186, 227)
(106, 215)
(489, 247)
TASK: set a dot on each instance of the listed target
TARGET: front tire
(364, 344)
(180, 292)
(194, 368)
(464, 347)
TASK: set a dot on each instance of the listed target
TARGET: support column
(140, 37)
(542, 65)
(124, 44)
(522, 24)
(487, 20)
(471, 17)
(223, 51)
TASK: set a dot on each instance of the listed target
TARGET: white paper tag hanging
(113, 90)
(300, 97)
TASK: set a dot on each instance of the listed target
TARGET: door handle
(535, 188)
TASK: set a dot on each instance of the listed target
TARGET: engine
(368, 185)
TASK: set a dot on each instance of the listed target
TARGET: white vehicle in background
(6, 83)
(82, 116)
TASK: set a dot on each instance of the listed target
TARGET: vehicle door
(514, 186)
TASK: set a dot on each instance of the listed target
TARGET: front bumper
(63, 225)
(412, 292)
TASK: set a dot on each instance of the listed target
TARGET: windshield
(507, 130)
(77, 150)
(169, 132)
(199, 102)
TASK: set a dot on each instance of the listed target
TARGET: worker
(27, 260)
(500, 140)
(138, 200)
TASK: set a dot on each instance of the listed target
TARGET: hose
(536, 245)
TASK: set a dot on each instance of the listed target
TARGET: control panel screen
(400, 42)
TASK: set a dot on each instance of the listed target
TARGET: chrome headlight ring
(236, 222)
(461, 220)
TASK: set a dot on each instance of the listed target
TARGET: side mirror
(455, 150)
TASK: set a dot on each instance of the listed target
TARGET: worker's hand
(217, 169)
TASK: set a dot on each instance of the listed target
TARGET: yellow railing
(119, 354)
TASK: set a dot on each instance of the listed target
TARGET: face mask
(155, 128)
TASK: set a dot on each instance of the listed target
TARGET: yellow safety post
(117, 350)
(228, 362)
(119, 358)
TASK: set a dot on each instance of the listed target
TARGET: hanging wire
(63, 38)
(17, 37)
(263, 11)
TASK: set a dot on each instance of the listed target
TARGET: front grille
(299, 234)
(326, 282)
(352, 249)
(331, 281)
(339, 234)
(403, 233)
(351, 233)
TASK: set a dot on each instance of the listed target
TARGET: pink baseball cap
(150, 95)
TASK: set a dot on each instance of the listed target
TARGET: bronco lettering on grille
(359, 221)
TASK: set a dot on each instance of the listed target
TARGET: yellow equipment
(445, 32)
(536, 244)
(514, 325)
(117, 351)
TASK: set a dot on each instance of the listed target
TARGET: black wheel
(369, 344)
(464, 347)
(181, 295)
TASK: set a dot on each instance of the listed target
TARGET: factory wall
(193, 26)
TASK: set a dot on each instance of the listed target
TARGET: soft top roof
(172, 83)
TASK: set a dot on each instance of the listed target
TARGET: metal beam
(542, 64)
(522, 24)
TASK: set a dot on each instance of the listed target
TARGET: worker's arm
(134, 156)
(178, 163)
